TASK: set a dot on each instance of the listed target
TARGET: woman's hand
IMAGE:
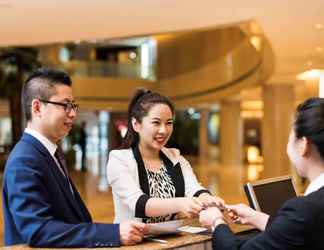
(208, 200)
(191, 206)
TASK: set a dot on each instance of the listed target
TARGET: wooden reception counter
(181, 241)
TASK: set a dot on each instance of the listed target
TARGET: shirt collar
(51, 147)
(315, 185)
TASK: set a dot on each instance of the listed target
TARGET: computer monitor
(268, 195)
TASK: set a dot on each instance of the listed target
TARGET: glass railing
(107, 69)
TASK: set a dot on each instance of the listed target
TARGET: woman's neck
(148, 153)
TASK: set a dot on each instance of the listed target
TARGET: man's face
(55, 122)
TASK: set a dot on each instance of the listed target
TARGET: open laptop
(268, 195)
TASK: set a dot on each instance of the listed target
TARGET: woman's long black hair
(139, 106)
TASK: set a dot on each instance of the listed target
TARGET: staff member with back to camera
(299, 223)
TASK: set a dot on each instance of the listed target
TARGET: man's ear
(303, 146)
(136, 125)
(35, 107)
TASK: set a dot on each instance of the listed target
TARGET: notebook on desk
(268, 195)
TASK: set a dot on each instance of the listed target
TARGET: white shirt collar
(315, 185)
(50, 146)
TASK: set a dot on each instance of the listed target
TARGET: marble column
(231, 134)
(278, 109)
(203, 136)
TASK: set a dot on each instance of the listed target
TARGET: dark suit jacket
(299, 224)
(39, 208)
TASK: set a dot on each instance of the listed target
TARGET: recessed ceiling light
(319, 49)
(318, 26)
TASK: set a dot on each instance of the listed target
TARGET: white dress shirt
(50, 146)
(315, 185)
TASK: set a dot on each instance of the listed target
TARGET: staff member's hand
(132, 232)
(243, 214)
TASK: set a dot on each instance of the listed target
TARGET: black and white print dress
(161, 186)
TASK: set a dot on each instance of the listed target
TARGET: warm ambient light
(256, 42)
(314, 74)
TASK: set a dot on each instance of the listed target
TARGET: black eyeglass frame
(68, 106)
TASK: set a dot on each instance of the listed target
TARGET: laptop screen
(269, 195)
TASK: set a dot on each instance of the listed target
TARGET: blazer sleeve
(287, 231)
(25, 192)
(192, 186)
(122, 179)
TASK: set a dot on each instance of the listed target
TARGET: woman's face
(295, 150)
(156, 127)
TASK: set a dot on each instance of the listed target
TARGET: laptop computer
(268, 195)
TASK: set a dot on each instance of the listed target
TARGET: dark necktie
(62, 164)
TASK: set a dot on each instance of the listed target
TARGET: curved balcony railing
(107, 69)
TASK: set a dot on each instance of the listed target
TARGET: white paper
(167, 227)
(192, 230)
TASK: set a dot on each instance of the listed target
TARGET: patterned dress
(161, 186)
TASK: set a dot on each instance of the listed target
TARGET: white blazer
(130, 192)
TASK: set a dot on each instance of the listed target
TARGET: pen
(157, 240)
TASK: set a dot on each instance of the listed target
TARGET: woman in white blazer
(152, 183)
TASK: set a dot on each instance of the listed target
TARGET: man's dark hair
(40, 85)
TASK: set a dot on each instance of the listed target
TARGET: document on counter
(192, 230)
(168, 227)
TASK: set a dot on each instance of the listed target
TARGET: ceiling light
(132, 55)
(319, 49)
(310, 74)
(318, 26)
(256, 42)
(314, 74)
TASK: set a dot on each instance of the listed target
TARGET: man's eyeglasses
(68, 106)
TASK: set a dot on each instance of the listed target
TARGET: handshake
(220, 213)
(211, 210)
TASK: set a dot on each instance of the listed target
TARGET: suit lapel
(142, 175)
(81, 204)
(64, 185)
(59, 178)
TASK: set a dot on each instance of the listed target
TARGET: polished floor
(224, 181)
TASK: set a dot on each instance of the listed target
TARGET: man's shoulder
(25, 154)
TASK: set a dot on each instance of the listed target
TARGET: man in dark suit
(41, 205)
